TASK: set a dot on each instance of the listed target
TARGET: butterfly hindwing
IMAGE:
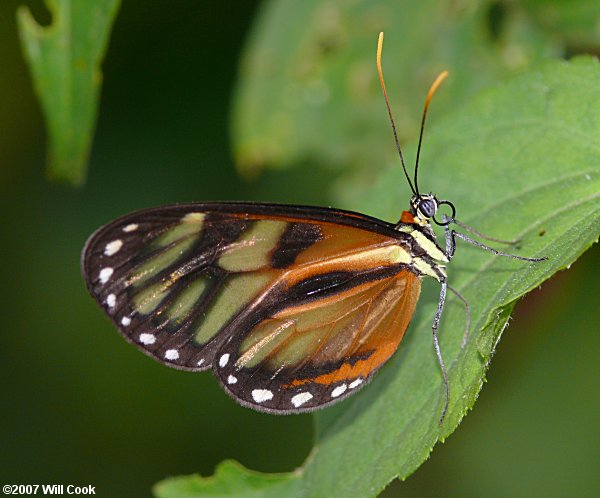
(303, 351)
(293, 308)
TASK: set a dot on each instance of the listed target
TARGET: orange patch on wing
(340, 247)
(339, 240)
(381, 332)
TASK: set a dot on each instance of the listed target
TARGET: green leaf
(576, 21)
(521, 160)
(309, 88)
(230, 479)
(64, 59)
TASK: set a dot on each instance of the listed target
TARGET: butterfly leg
(450, 249)
(483, 236)
(451, 236)
(436, 345)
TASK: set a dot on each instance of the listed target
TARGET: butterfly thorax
(428, 256)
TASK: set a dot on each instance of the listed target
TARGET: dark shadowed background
(81, 406)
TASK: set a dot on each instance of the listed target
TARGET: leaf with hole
(64, 59)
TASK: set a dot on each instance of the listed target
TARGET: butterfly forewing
(293, 308)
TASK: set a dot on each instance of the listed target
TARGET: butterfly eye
(427, 207)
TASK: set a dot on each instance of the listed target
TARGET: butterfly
(293, 308)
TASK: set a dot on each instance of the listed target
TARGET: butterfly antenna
(436, 84)
(387, 104)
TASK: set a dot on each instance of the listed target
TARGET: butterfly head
(425, 206)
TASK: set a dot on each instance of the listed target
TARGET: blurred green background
(81, 406)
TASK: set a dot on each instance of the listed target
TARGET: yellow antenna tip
(379, 51)
(435, 85)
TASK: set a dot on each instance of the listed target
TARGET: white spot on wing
(105, 274)
(200, 361)
(147, 339)
(224, 360)
(261, 395)
(301, 398)
(125, 321)
(231, 379)
(171, 354)
(355, 383)
(339, 390)
(111, 300)
(113, 247)
(131, 227)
